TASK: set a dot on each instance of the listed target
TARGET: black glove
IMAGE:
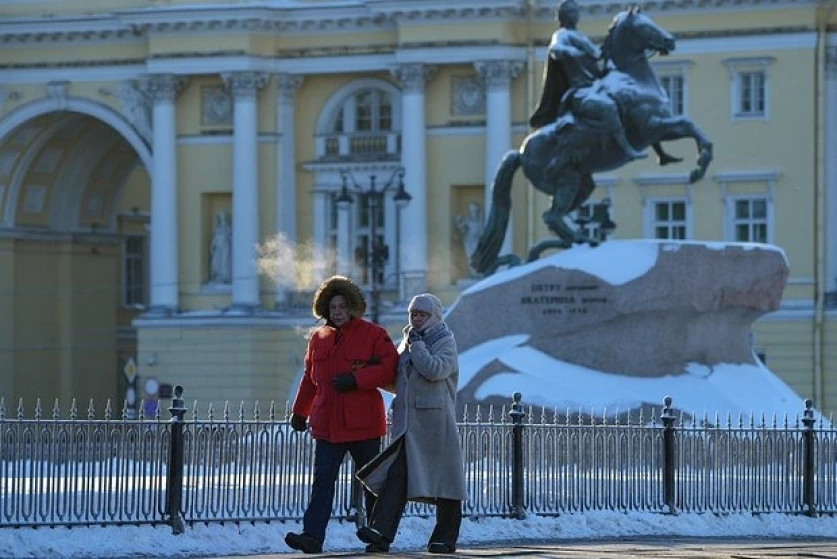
(298, 423)
(344, 382)
(414, 335)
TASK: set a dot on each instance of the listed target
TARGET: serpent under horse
(646, 114)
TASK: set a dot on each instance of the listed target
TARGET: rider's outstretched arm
(584, 44)
(560, 51)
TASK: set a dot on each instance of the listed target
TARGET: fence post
(808, 458)
(516, 413)
(174, 479)
(669, 465)
(357, 500)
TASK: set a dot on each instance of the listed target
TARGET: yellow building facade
(171, 172)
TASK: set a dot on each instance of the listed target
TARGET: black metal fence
(518, 460)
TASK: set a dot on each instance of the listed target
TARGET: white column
(320, 214)
(413, 235)
(831, 170)
(245, 218)
(344, 241)
(497, 75)
(164, 231)
(286, 87)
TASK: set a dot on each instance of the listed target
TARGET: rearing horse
(648, 120)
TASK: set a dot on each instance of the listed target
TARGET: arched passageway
(74, 201)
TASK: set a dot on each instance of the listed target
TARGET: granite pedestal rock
(639, 308)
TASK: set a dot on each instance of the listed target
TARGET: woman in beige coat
(424, 461)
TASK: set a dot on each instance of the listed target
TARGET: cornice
(748, 176)
(290, 16)
(259, 19)
(72, 29)
(430, 10)
(661, 179)
(546, 8)
(367, 59)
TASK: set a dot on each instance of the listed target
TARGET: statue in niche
(470, 227)
(220, 251)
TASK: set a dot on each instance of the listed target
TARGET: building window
(673, 86)
(669, 219)
(360, 123)
(590, 216)
(749, 90)
(134, 291)
(583, 218)
(673, 79)
(751, 94)
(363, 237)
(749, 220)
(748, 205)
(373, 111)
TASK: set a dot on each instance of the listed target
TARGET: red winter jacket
(363, 348)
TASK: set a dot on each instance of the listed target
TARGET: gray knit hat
(427, 302)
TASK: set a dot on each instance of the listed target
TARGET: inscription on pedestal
(566, 300)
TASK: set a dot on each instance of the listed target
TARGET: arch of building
(100, 133)
(62, 256)
(335, 102)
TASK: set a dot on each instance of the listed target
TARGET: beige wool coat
(424, 420)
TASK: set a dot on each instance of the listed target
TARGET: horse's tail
(491, 240)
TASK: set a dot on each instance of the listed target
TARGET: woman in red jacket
(347, 360)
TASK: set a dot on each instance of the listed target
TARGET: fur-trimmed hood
(338, 285)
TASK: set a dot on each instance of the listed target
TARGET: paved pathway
(659, 548)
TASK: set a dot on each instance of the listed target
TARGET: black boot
(303, 542)
(377, 548)
(440, 547)
(372, 536)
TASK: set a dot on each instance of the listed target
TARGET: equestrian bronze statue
(600, 109)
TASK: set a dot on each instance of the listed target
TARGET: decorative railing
(358, 145)
(519, 461)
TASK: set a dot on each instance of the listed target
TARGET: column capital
(244, 84)
(287, 85)
(498, 73)
(163, 88)
(413, 77)
(831, 63)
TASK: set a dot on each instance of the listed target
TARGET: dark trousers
(327, 459)
(392, 500)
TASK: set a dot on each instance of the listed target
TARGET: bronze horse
(648, 120)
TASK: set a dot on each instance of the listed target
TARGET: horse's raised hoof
(695, 175)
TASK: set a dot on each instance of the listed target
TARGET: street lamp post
(377, 252)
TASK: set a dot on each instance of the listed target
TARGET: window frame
(652, 222)
(675, 69)
(127, 258)
(341, 141)
(738, 69)
(670, 187)
(732, 200)
(729, 193)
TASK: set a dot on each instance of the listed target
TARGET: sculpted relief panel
(468, 96)
(216, 106)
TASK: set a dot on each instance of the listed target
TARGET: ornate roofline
(297, 17)
(75, 29)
